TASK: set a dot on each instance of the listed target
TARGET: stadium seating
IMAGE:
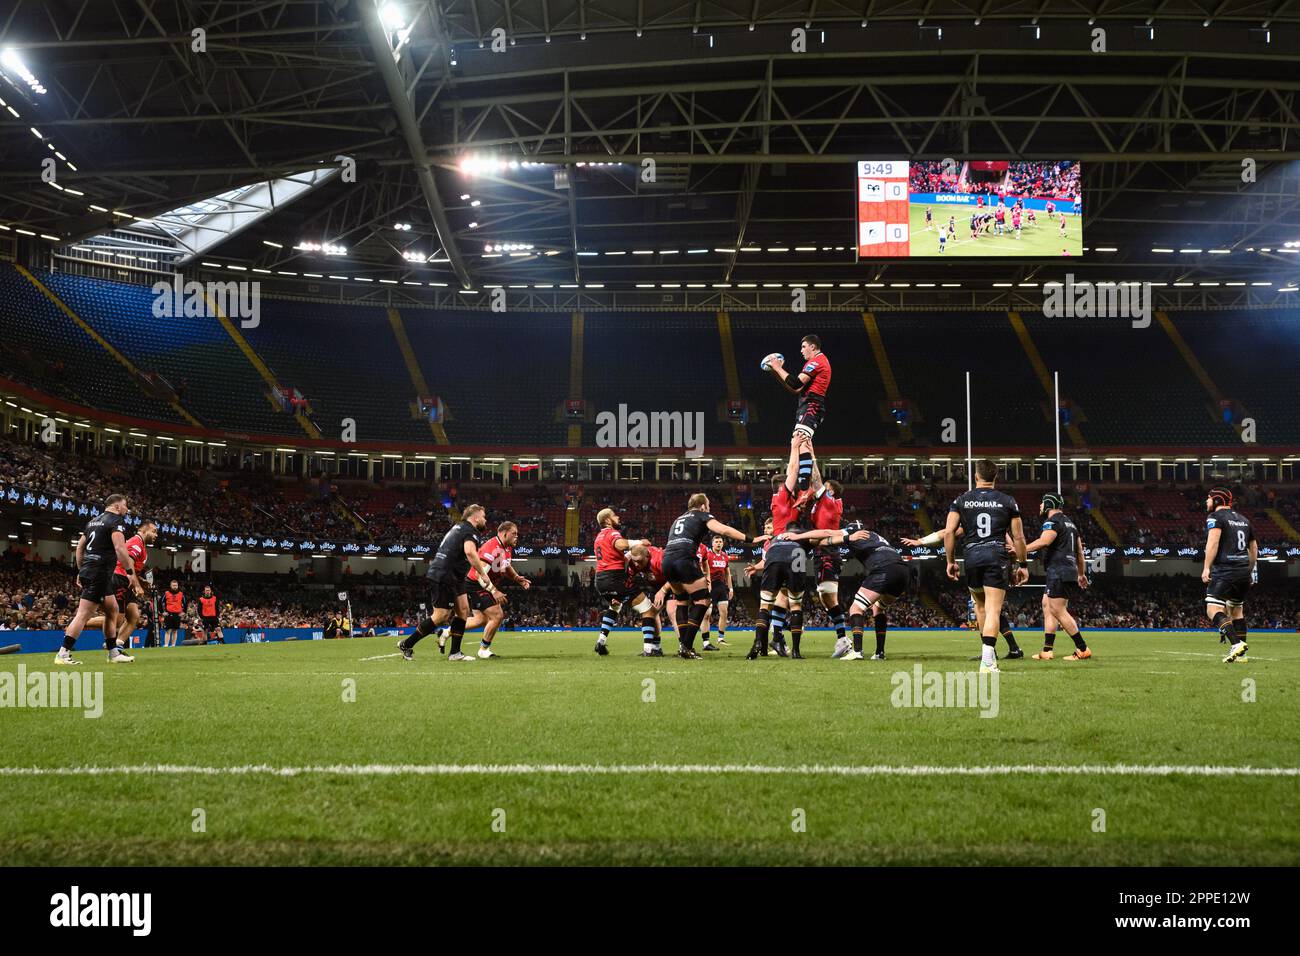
(78, 369)
(655, 362)
(930, 354)
(346, 362)
(503, 377)
(1131, 384)
(215, 381)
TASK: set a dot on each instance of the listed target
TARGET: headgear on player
(852, 526)
(1219, 498)
(1050, 500)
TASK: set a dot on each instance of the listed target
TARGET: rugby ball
(766, 364)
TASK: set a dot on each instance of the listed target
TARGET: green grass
(1147, 699)
(1041, 241)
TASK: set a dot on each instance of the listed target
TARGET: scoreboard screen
(985, 208)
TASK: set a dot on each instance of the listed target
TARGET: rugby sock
(882, 628)
(1049, 638)
(805, 470)
(796, 629)
(457, 633)
(695, 614)
(69, 643)
(1239, 628)
(855, 623)
(1078, 641)
(649, 639)
(722, 633)
(422, 630)
(760, 631)
(607, 622)
(988, 656)
(685, 630)
(1004, 625)
(1222, 624)
(778, 623)
(837, 620)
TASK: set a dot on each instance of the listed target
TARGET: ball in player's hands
(773, 359)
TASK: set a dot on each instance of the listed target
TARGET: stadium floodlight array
(15, 67)
(329, 248)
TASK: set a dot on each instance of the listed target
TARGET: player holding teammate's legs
(1231, 553)
(448, 576)
(614, 584)
(782, 573)
(886, 578)
(682, 571)
(986, 515)
(1061, 548)
(810, 385)
(828, 515)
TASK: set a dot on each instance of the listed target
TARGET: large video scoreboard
(985, 208)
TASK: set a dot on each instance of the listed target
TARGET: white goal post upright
(1056, 410)
(970, 455)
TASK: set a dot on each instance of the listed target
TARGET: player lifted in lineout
(810, 384)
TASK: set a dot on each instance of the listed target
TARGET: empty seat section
(503, 377)
(68, 363)
(656, 363)
(215, 381)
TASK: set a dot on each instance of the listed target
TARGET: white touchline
(820, 770)
(380, 657)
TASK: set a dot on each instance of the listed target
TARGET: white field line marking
(1204, 654)
(821, 770)
(380, 657)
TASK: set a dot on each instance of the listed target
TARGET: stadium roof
(539, 145)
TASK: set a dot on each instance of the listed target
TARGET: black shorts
(828, 566)
(809, 414)
(616, 586)
(211, 623)
(96, 580)
(719, 592)
(682, 569)
(171, 622)
(480, 599)
(123, 591)
(986, 575)
(446, 589)
(1228, 587)
(890, 579)
(1062, 585)
(781, 574)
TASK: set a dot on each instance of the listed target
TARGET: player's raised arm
(726, 530)
(819, 535)
(1045, 537)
